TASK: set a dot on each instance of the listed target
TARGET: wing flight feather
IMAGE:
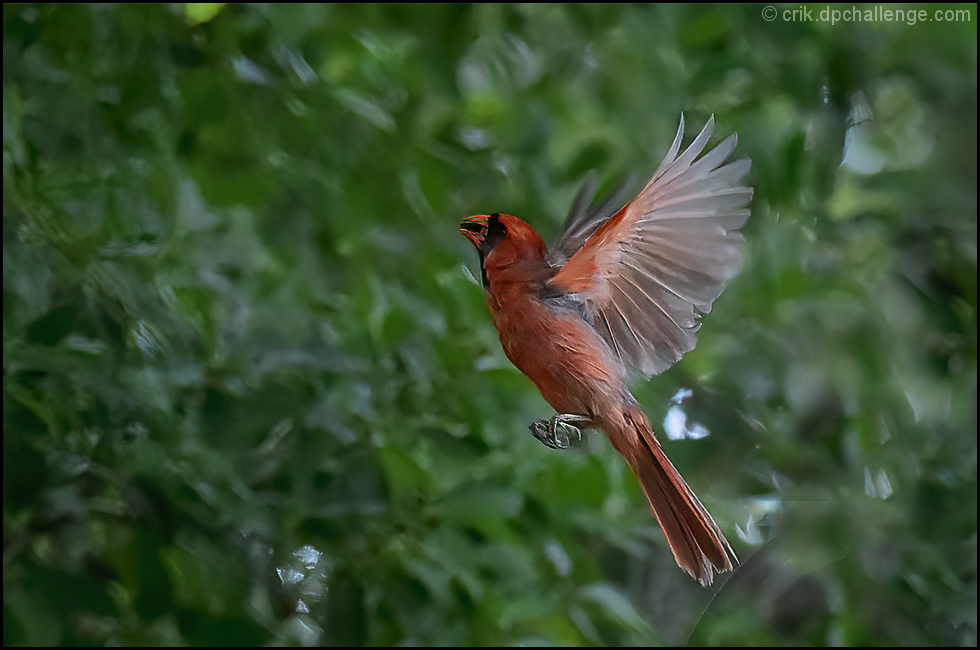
(651, 269)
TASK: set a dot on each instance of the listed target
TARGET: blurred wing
(646, 273)
(584, 218)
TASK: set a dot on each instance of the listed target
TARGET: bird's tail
(698, 544)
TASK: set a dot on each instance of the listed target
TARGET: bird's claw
(557, 433)
(553, 437)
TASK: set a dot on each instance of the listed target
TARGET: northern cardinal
(616, 298)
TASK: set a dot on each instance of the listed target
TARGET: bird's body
(550, 343)
(615, 298)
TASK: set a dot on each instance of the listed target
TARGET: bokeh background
(252, 396)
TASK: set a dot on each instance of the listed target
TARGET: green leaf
(202, 12)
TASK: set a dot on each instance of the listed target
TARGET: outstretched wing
(584, 218)
(647, 272)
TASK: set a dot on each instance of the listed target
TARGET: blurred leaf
(202, 12)
(476, 502)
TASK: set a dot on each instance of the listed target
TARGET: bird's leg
(555, 433)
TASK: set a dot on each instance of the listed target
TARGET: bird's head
(507, 246)
(508, 238)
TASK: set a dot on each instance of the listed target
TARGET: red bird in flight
(616, 298)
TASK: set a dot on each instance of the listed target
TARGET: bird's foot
(557, 433)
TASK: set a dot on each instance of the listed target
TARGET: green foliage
(251, 396)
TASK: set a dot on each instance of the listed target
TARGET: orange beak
(475, 229)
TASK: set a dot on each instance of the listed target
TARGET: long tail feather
(698, 545)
